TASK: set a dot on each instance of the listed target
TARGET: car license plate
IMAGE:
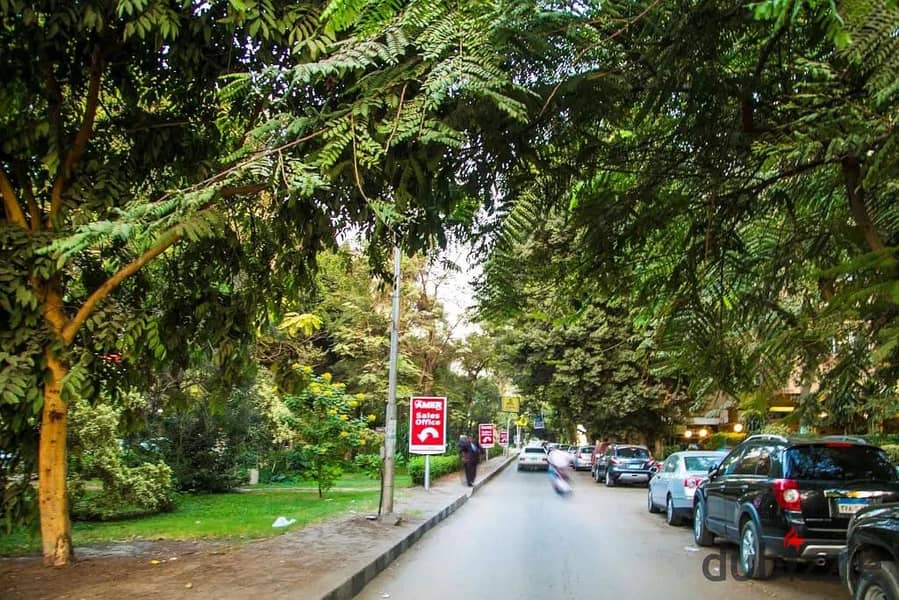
(850, 506)
(637, 466)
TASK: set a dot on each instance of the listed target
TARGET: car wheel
(701, 535)
(752, 562)
(670, 516)
(650, 504)
(878, 581)
(610, 482)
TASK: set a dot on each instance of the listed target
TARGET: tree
(726, 172)
(593, 370)
(133, 128)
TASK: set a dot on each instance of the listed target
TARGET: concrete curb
(354, 584)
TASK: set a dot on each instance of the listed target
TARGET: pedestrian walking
(468, 450)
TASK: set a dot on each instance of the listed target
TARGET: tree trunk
(56, 533)
(852, 175)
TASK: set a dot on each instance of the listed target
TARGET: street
(516, 539)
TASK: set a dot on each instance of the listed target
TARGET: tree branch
(72, 327)
(81, 138)
(396, 120)
(34, 211)
(11, 205)
(166, 241)
(747, 104)
(852, 176)
(580, 55)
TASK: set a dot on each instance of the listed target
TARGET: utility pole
(390, 441)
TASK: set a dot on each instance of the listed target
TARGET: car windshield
(700, 463)
(837, 462)
(633, 452)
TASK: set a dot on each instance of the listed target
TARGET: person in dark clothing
(469, 453)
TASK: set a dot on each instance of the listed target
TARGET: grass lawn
(221, 516)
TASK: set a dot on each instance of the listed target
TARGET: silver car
(583, 457)
(674, 484)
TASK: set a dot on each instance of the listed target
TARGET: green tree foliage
(353, 306)
(206, 440)
(593, 371)
(134, 130)
(729, 172)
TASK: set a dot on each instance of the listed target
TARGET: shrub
(721, 440)
(668, 451)
(776, 429)
(440, 466)
(892, 451)
(205, 445)
(370, 464)
(97, 454)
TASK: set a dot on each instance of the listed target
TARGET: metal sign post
(390, 437)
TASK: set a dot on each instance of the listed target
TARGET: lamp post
(390, 434)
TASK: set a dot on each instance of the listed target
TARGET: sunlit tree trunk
(56, 532)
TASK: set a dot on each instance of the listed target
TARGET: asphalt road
(516, 539)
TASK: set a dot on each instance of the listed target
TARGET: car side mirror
(713, 471)
(653, 469)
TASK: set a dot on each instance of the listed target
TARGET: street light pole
(390, 441)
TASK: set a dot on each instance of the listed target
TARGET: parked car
(582, 457)
(675, 483)
(623, 463)
(869, 565)
(532, 458)
(790, 498)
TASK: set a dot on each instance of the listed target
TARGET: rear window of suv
(700, 463)
(835, 462)
(534, 451)
(632, 452)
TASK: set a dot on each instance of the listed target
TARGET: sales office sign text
(427, 425)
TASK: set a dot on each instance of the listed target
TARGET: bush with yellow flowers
(327, 430)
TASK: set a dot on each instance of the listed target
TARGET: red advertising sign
(503, 437)
(427, 425)
(486, 435)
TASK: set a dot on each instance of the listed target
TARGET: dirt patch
(312, 560)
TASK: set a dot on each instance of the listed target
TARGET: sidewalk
(420, 510)
(332, 560)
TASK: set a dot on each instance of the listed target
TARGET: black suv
(870, 563)
(622, 463)
(790, 498)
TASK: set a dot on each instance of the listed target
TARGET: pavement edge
(354, 584)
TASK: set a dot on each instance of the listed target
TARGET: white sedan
(676, 482)
(533, 458)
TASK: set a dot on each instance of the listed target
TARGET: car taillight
(786, 493)
(614, 461)
(692, 482)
